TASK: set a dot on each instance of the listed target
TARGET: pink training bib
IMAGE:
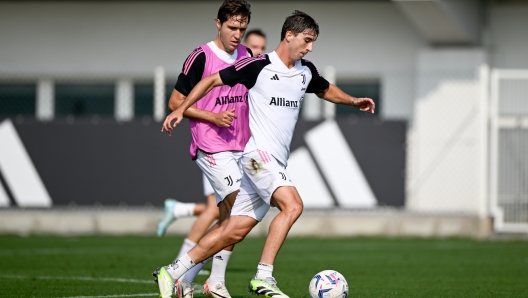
(207, 136)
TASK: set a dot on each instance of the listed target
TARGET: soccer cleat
(166, 284)
(167, 217)
(267, 287)
(157, 271)
(184, 289)
(155, 274)
(216, 290)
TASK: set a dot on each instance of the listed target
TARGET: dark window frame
(360, 88)
(85, 99)
(18, 98)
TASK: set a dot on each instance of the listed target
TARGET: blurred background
(84, 87)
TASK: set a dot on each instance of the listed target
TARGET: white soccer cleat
(184, 289)
(166, 284)
(216, 290)
(167, 217)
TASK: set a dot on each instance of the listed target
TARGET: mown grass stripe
(109, 296)
(83, 278)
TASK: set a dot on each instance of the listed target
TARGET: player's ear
(218, 24)
(289, 36)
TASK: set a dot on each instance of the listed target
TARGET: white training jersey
(275, 97)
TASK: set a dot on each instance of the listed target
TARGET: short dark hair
(234, 8)
(257, 32)
(299, 22)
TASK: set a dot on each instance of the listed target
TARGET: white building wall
(447, 165)
(61, 39)
(444, 151)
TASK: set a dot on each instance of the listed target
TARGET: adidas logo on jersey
(275, 78)
(282, 102)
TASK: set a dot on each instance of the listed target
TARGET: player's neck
(284, 55)
(218, 42)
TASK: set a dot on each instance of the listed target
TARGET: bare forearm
(198, 114)
(335, 95)
(177, 99)
(199, 91)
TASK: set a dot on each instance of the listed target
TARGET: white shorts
(222, 170)
(207, 188)
(263, 174)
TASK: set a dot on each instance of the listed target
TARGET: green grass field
(106, 266)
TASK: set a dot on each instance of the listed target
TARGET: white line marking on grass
(141, 281)
(58, 251)
(109, 296)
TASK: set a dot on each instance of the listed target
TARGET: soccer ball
(328, 284)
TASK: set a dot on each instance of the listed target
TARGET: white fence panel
(509, 150)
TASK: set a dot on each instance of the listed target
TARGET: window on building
(84, 100)
(17, 99)
(359, 88)
(144, 98)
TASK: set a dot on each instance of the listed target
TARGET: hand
(175, 116)
(225, 118)
(364, 104)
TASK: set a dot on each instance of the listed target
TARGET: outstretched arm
(222, 119)
(199, 91)
(336, 95)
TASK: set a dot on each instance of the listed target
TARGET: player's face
(301, 44)
(256, 43)
(231, 33)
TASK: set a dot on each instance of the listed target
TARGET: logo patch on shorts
(229, 180)
(255, 165)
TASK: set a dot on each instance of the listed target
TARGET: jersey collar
(274, 58)
(221, 54)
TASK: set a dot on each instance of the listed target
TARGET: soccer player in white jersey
(277, 83)
(219, 127)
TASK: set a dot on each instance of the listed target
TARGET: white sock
(186, 246)
(218, 269)
(180, 266)
(191, 274)
(183, 209)
(263, 271)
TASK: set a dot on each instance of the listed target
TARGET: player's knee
(233, 239)
(234, 236)
(295, 209)
(237, 237)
